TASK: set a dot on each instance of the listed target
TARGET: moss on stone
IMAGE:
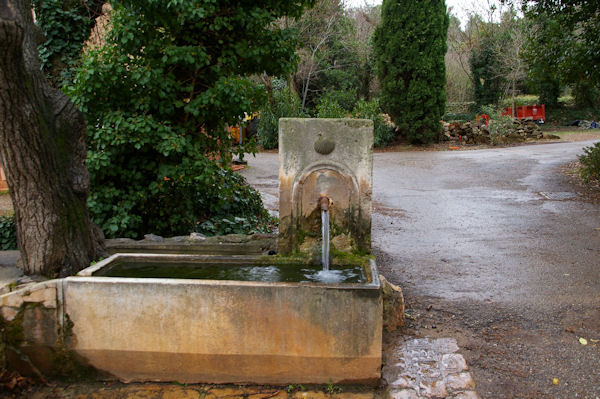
(66, 364)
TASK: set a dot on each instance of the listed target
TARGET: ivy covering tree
(410, 44)
(158, 97)
(66, 25)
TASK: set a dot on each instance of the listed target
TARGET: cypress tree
(410, 45)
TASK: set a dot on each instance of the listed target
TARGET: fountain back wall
(330, 158)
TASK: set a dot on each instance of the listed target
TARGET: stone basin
(223, 331)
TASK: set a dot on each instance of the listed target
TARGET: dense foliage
(383, 132)
(158, 97)
(285, 104)
(566, 45)
(542, 53)
(329, 107)
(66, 25)
(8, 233)
(590, 163)
(485, 73)
(410, 44)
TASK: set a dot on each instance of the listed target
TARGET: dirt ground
(515, 347)
(516, 353)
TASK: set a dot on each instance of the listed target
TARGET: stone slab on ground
(427, 368)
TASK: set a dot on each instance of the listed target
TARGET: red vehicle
(535, 113)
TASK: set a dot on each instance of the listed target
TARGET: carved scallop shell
(324, 146)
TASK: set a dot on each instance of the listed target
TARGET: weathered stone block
(460, 381)
(46, 296)
(330, 158)
(445, 345)
(310, 395)
(467, 395)
(350, 395)
(12, 299)
(40, 326)
(232, 244)
(454, 363)
(8, 313)
(402, 394)
(230, 393)
(393, 305)
(433, 389)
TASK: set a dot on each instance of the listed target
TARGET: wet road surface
(496, 249)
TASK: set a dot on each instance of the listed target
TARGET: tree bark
(43, 152)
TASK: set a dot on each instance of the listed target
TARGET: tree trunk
(43, 152)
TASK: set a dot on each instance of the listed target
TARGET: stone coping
(195, 243)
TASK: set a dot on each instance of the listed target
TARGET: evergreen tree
(565, 46)
(410, 44)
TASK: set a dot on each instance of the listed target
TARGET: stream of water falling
(325, 239)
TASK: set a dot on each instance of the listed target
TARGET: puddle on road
(559, 196)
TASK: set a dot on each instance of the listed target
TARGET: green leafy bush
(158, 97)
(195, 195)
(498, 124)
(286, 104)
(8, 233)
(329, 107)
(590, 163)
(382, 131)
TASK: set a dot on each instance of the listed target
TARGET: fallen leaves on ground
(11, 380)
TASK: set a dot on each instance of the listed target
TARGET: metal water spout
(324, 204)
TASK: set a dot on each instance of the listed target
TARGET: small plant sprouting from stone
(295, 387)
(332, 389)
(92, 263)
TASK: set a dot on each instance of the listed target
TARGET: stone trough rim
(87, 274)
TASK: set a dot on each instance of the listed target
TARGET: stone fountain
(126, 319)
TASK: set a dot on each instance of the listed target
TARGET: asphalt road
(497, 249)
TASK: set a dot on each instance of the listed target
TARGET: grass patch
(573, 132)
(566, 100)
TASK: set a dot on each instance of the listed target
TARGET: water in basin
(291, 273)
